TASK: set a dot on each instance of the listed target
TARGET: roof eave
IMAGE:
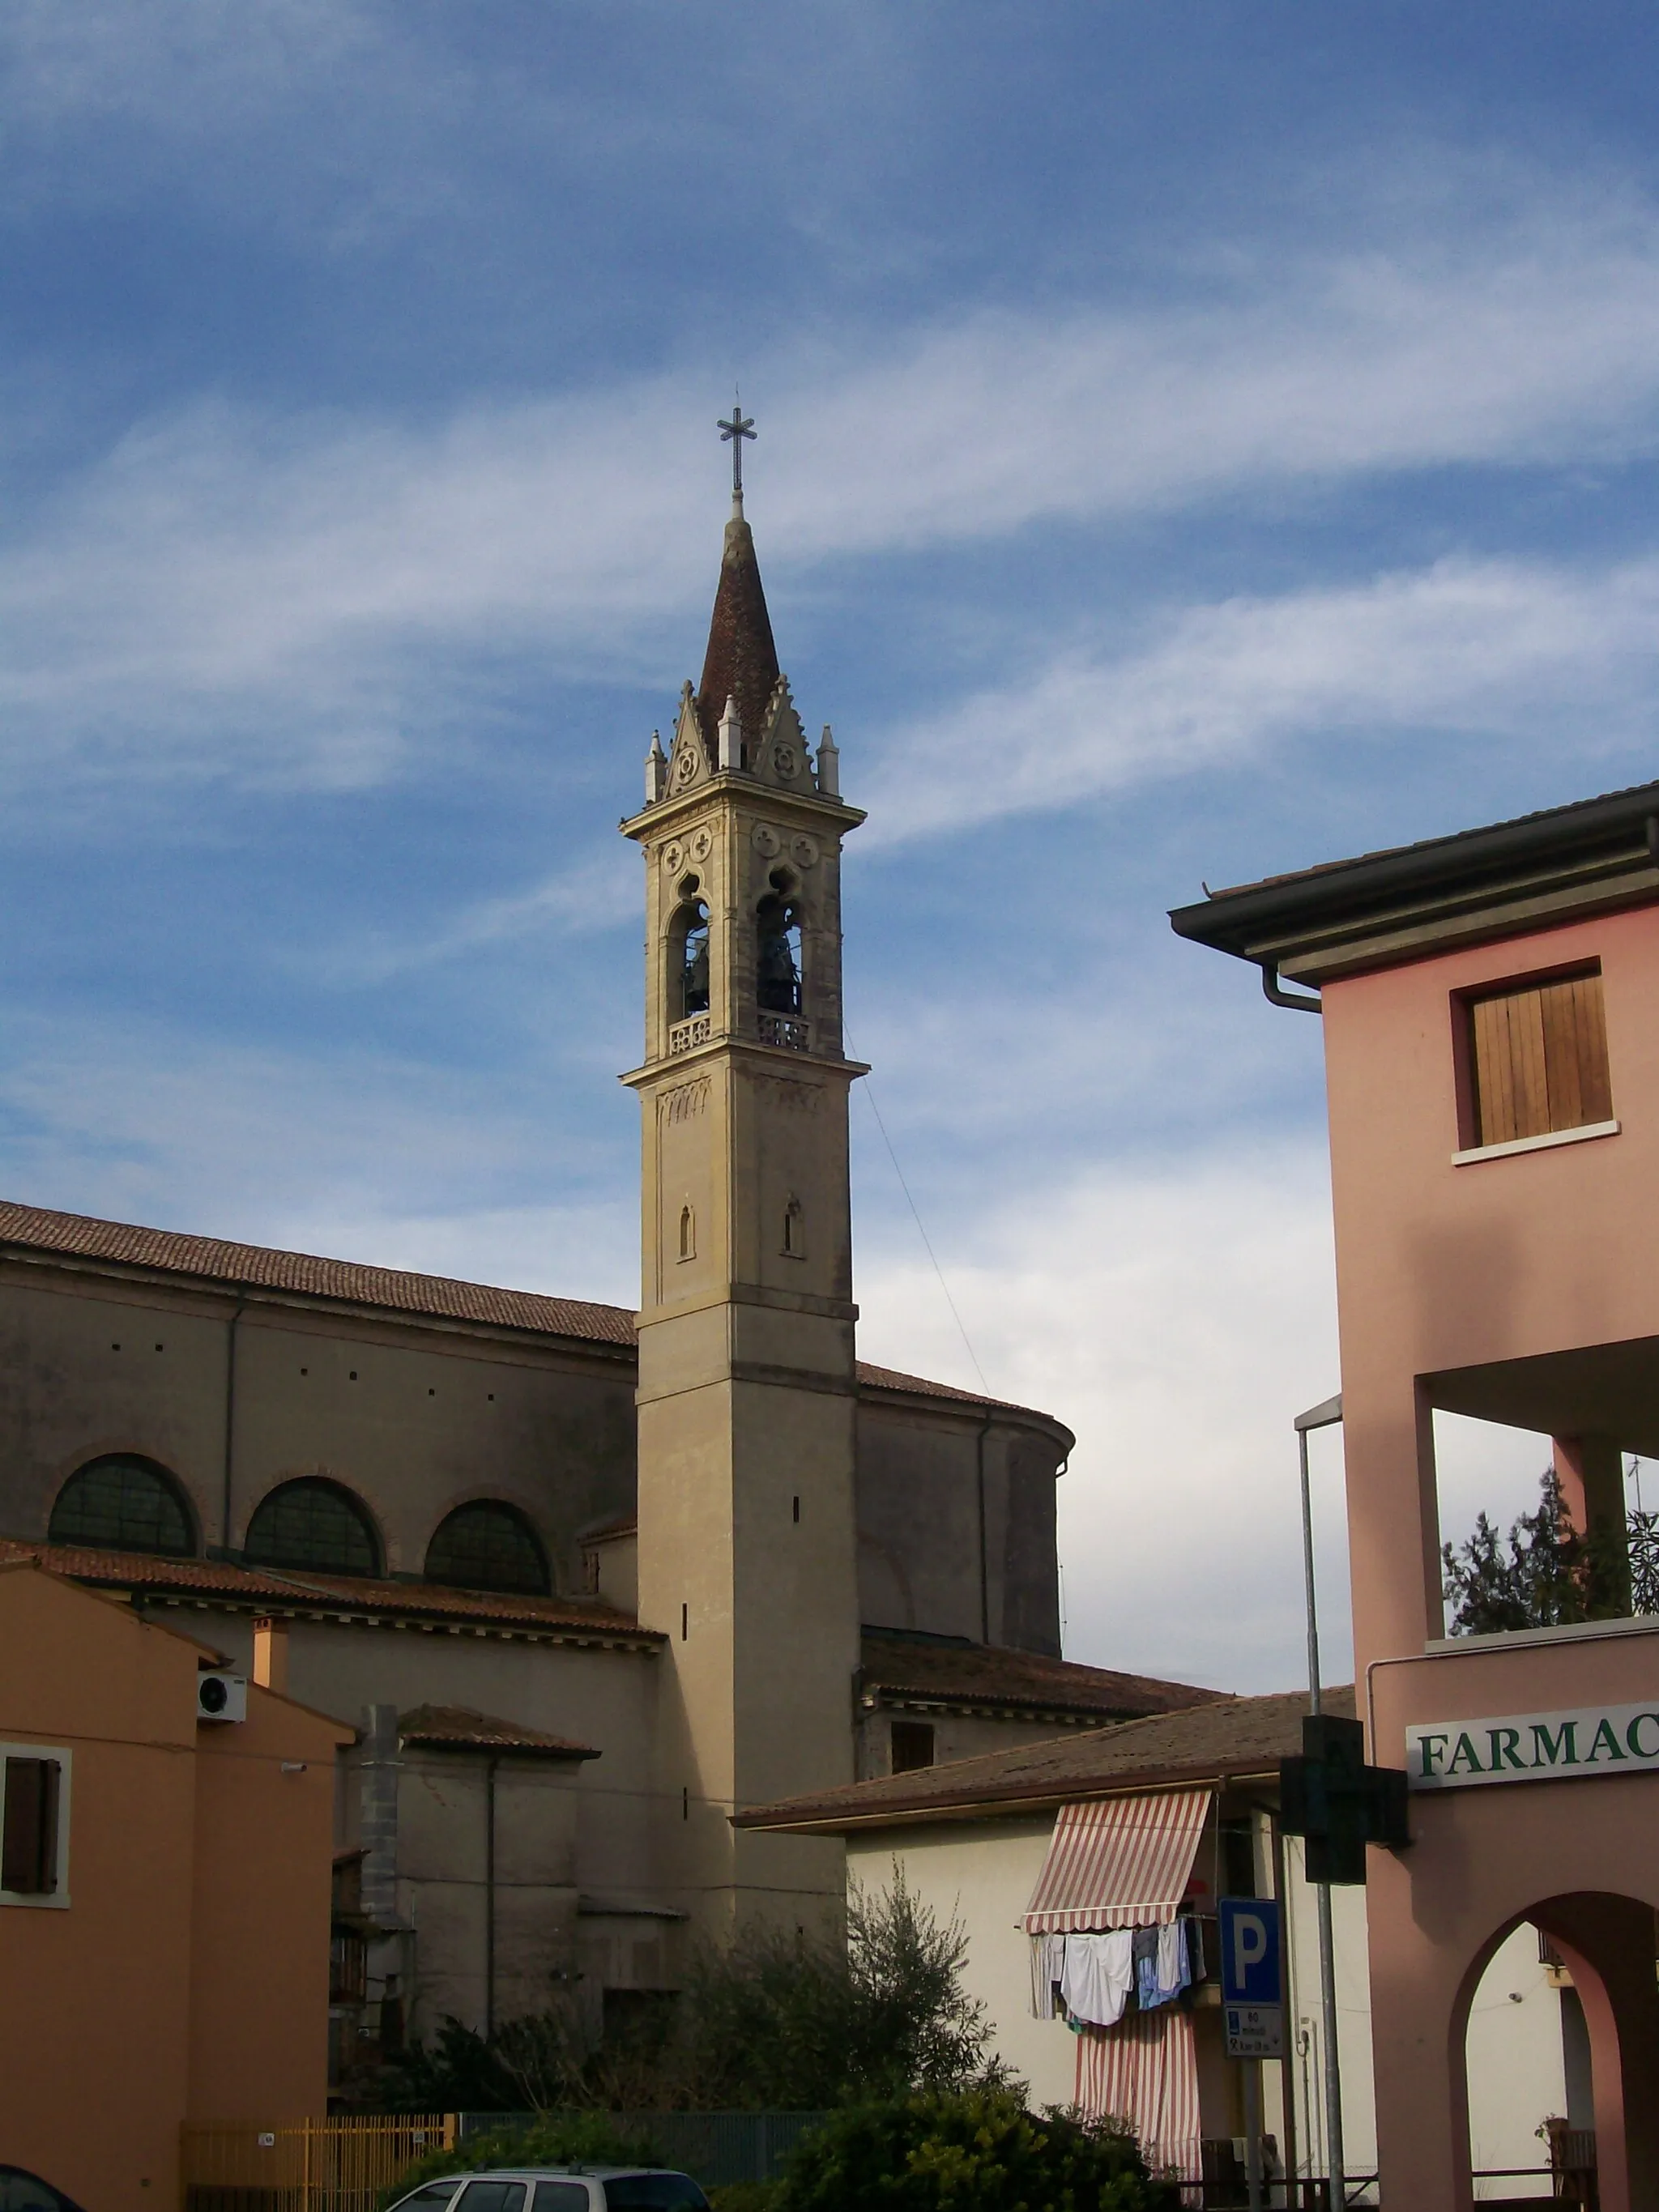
(1480, 883)
(971, 1804)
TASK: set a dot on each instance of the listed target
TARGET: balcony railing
(786, 1029)
(687, 1035)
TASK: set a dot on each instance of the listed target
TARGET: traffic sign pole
(1252, 2007)
(1253, 2131)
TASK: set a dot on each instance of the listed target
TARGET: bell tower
(747, 1541)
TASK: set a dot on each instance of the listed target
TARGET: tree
(779, 2022)
(977, 2150)
(1547, 1572)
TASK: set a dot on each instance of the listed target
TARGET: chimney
(270, 1654)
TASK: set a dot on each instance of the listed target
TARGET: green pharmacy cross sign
(1337, 1803)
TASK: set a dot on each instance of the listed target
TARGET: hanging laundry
(1099, 1975)
(1146, 1967)
(1047, 1964)
(1196, 1969)
(1175, 1972)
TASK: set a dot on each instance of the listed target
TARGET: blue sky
(1195, 441)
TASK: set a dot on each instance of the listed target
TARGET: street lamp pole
(1323, 1416)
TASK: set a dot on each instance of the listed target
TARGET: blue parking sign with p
(1250, 1950)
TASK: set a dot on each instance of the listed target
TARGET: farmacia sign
(1533, 1747)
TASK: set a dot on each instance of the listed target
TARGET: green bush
(558, 2139)
(978, 2150)
(745, 2197)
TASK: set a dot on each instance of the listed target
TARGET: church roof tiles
(211, 1259)
(37, 1229)
(457, 1728)
(1223, 1738)
(271, 1590)
(902, 1667)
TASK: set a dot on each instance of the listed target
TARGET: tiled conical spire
(742, 661)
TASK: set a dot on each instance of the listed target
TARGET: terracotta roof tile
(941, 1670)
(283, 1591)
(394, 1290)
(457, 1728)
(1226, 1736)
(211, 1259)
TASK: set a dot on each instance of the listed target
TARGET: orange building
(164, 1892)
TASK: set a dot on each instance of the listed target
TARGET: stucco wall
(957, 1526)
(983, 1873)
(416, 1421)
(1518, 2074)
(436, 1417)
(444, 1883)
(955, 1735)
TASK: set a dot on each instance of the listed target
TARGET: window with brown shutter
(28, 1827)
(1538, 1060)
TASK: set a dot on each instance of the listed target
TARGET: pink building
(1490, 1007)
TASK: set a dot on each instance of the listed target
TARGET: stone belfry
(747, 1541)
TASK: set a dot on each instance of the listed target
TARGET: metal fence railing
(347, 2163)
(716, 2148)
(314, 2166)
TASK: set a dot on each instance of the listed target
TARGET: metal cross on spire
(732, 434)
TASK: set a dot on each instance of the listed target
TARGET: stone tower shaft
(747, 1534)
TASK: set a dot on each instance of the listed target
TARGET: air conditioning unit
(221, 1697)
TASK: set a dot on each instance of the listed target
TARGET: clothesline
(1090, 1978)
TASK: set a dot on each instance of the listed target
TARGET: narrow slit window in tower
(794, 1231)
(688, 1234)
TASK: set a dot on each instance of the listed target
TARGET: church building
(585, 1583)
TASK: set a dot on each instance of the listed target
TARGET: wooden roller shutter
(1540, 1060)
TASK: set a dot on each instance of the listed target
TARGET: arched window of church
(794, 1230)
(487, 1546)
(688, 965)
(688, 1234)
(777, 950)
(313, 1524)
(124, 1504)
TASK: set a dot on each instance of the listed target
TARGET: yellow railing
(313, 2166)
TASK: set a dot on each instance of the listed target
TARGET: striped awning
(1121, 1862)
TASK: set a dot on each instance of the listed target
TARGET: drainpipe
(490, 1766)
(984, 1562)
(1276, 995)
(230, 1422)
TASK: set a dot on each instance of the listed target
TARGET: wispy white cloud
(1178, 1317)
(303, 599)
(1515, 651)
(598, 891)
(350, 1151)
